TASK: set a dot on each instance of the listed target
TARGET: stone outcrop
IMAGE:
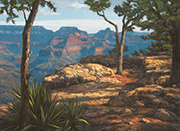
(75, 74)
(157, 70)
(129, 62)
(154, 69)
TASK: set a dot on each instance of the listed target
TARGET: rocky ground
(137, 101)
(140, 100)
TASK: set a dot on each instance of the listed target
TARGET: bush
(11, 119)
(45, 113)
(72, 116)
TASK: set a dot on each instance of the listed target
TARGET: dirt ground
(109, 107)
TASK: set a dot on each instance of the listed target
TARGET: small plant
(72, 116)
(11, 119)
(44, 113)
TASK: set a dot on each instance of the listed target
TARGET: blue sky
(72, 13)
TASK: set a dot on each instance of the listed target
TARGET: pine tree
(163, 18)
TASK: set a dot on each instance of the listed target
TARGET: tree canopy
(98, 6)
(130, 13)
(13, 7)
(163, 18)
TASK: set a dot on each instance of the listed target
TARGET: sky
(72, 13)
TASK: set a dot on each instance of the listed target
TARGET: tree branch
(24, 14)
(100, 14)
(124, 18)
(25, 18)
(29, 5)
(105, 18)
(116, 27)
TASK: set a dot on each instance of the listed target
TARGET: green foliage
(162, 17)
(72, 116)
(44, 113)
(162, 43)
(11, 7)
(130, 13)
(157, 47)
(12, 114)
(154, 49)
(114, 51)
(98, 5)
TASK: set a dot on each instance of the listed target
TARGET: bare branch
(105, 18)
(100, 14)
(24, 13)
(116, 27)
(124, 18)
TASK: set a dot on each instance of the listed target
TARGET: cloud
(69, 4)
(78, 5)
(47, 12)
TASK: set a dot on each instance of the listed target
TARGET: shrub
(10, 121)
(45, 113)
(72, 116)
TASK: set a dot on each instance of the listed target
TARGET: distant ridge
(53, 50)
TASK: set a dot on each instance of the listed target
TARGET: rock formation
(129, 62)
(75, 74)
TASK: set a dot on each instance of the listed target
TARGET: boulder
(75, 74)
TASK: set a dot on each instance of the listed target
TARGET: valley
(54, 50)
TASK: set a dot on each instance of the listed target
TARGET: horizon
(72, 13)
(72, 27)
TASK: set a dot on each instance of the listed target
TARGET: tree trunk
(120, 52)
(117, 37)
(25, 65)
(175, 71)
(25, 76)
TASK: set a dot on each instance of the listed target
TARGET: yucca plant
(9, 122)
(45, 113)
(72, 116)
